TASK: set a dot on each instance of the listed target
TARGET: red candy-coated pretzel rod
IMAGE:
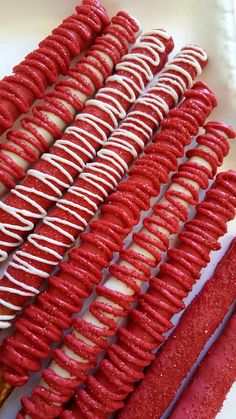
(115, 297)
(25, 145)
(41, 67)
(126, 359)
(57, 170)
(46, 246)
(176, 358)
(64, 296)
(212, 381)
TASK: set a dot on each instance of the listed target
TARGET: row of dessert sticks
(42, 323)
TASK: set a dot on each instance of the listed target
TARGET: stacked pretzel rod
(125, 360)
(41, 67)
(181, 350)
(56, 170)
(24, 146)
(82, 171)
(122, 288)
(46, 246)
(195, 108)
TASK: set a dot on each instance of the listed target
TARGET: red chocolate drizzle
(60, 389)
(76, 277)
(176, 358)
(125, 360)
(41, 67)
(55, 241)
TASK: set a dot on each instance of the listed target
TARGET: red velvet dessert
(62, 103)
(125, 360)
(183, 347)
(57, 170)
(206, 393)
(41, 67)
(45, 248)
(115, 297)
(67, 289)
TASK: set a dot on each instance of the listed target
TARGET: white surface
(211, 24)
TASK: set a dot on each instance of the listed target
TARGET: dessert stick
(212, 380)
(125, 360)
(177, 356)
(25, 145)
(115, 297)
(41, 67)
(44, 248)
(76, 277)
(57, 170)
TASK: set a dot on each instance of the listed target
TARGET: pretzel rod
(5, 390)
(176, 358)
(211, 382)
(41, 67)
(46, 246)
(57, 170)
(126, 359)
(96, 248)
(25, 145)
(115, 297)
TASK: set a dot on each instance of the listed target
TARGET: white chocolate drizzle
(132, 64)
(129, 65)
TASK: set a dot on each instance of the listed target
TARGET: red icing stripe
(20, 141)
(84, 267)
(41, 67)
(206, 393)
(125, 360)
(62, 388)
(71, 215)
(183, 347)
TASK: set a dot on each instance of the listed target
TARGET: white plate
(211, 24)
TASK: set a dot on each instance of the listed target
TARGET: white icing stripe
(20, 284)
(92, 179)
(114, 158)
(86, 198)
(7, 317)
(16, 291)
(10, 306)
(4, 324)
(100, 173)
(99, 167)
